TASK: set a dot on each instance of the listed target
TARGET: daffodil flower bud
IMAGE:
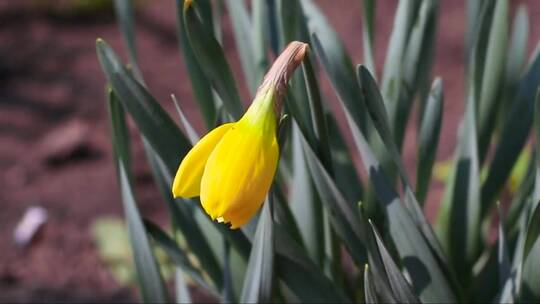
(232, 167)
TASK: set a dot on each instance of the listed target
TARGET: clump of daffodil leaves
(328, 210)
(232, 167)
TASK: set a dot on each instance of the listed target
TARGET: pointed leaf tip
(187, 4)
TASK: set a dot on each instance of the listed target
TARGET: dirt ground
(50, 79)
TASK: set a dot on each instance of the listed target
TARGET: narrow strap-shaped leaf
(521, 198)
(378, 276)
(164, 136)
(305, 203)
(376, 108)
(293, 24)
(293, 266)
(530, 282)
(215, 9)
(536, 190)
(284, 216)
(509, 292)
(317, 113)
(188, 128)
(400, 287)
(150, 281)
(182, 293)
(154, 123)
(212, 60)
(124, 14)
(274, 35)
(415, 253)
(182, 214)
(119, 129)
(297, 271)
(517, 48)
(315, 234)
(430, 130)
(459, 231)
(259, 277)
(335, 61)
(478, 48)
(200, 84)
(485, 282)
(148, 275)
(392, 73)
(513, 135)
(260, 20)
(492, 75)
(473, 11)
(515, 61)
(301, 116)
(533, 229)
(339, 69)
(341, 76)
(344, 218)
(345, 173)
(379, 118)
(242, 29)
(368, 34)
(124, 11)
(237, 239)
(417, 65)
(228, 294)
(503, 257)
(370, 295)
(198, 231)
(176, 254)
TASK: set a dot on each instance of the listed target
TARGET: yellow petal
(240, 170)
(187, 182)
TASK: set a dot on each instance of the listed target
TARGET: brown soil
(49, 77)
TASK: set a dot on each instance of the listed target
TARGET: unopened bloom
(232, 167)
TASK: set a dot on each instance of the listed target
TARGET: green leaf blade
(415, 253)
(530, 282)
(459, 218)
(202, 89)
(155, 124)
(212, 60)
(400, 287)
(148, 275)
(430, 130)
(258, 281)
(242, 29)
(513, 136)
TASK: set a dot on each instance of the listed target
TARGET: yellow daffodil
(232, 167)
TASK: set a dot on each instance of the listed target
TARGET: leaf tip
(100, 42)
(438, 83)
(187, 5)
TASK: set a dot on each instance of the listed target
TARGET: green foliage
(319, 209)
